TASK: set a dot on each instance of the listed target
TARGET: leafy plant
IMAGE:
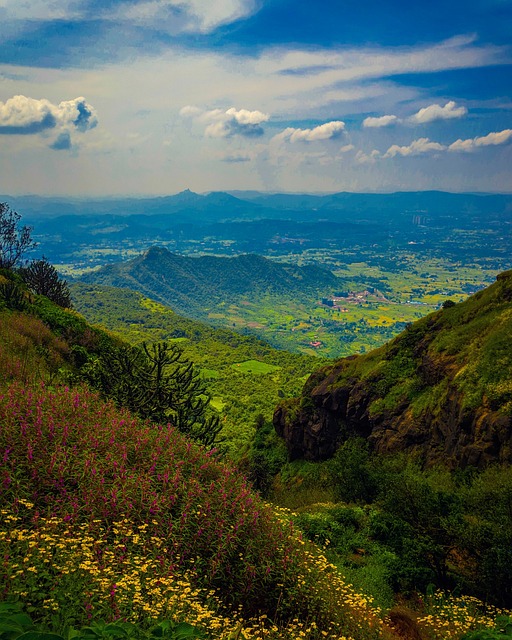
(156, 382)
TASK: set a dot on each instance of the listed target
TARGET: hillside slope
(203, 287)
(201, 281)
(441, 389)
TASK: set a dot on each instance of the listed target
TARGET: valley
(388, 470)
(418, 249)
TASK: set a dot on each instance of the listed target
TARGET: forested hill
(195, 286)
(441, 389)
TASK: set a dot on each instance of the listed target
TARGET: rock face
(442, 389)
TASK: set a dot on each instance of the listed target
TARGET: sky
(151, 97)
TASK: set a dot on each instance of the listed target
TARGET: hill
(188, 206)
(441, 389)
(115, 525)
(109, 517)
(203, 288)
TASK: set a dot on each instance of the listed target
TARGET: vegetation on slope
(106, 517)
(244, 376)
(442, 388)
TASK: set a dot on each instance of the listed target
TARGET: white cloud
(437, 112)
(325, 131)
(416, 148)
(346, 148)
(382, 121)
(174, 16)
(225, 124)
(494, 138)
(22, 115)
(190, 112)
(367, 158)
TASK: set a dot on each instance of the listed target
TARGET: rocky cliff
(441, 389)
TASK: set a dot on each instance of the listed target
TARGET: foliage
(13, 296)
(15, 241)
(239, 396)
(265, 457)
(133, 518)
(354, 477)
(156, 382)
(42, 278)
(15, 623)
(416, 527)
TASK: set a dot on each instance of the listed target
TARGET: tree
(15, 241)
(158, 383)
(42, 278)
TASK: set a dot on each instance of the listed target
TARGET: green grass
(254, 366)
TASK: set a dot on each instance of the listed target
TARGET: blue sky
(107, 97)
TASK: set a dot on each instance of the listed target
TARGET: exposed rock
(442, 389)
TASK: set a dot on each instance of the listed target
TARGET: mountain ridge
(194, 285)
(441, 389)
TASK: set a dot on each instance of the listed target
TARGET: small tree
(157, 382)
(42, 278)
(14, 240)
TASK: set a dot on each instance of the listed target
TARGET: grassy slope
(246, 377)
(106, 517)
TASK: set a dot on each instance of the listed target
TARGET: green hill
(107, 517)
(205, 288)
(442, 389)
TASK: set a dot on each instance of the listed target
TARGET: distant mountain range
(191, 207)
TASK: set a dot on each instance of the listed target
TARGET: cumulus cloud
(416, 148)
(382, 121)
(325, 131)
(226, 124)
(437, 112)
(493, 138)
(21, 115)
